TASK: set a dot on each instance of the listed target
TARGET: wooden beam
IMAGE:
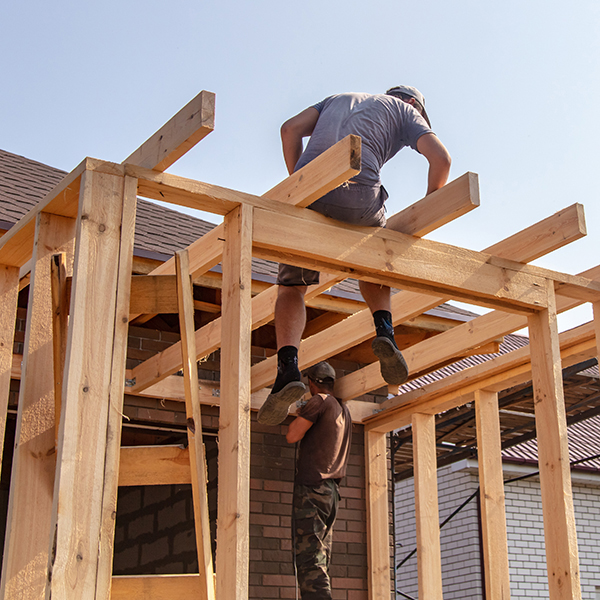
(554, 232)
(178, 135)
(491, 497)
(116, 390)
(234, 416)
(154, 465)
(429, 557)
(378, 523)
(473, 334)
(306, 185)
(199, 473)
(438, 208)
(338, 164)
(553, 455)
(9, 294)
(320, 176)
(160, 366)
(497, 374)
(596, 310)
(77, 508)
(30, 501)
(156, 587)
(60, 315)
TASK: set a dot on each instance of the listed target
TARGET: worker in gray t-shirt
(386, 123)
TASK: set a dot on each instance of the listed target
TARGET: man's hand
(439, 161)
(292, 132)
(298, 427)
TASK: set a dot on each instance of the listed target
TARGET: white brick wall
(460, 538)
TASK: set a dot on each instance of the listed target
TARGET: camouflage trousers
(314, 512)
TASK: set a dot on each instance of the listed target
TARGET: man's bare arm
(292, 132)
(298, 427)
(439, 160)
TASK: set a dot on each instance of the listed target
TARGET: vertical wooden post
(378, 518)
(429, 556)
(60, 313)
(194, 418)
(234, 419)
(9, 293)
(596, 306)
(491, 482)
(32, 481)
(553, 455)
(79, 483)
(117, 383)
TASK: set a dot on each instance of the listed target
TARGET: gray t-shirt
(386, 125)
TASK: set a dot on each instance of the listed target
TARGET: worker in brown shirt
(323, 427)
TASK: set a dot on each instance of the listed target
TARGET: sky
(511, 88)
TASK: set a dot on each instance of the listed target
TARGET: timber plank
(9, 293)
(162, 365)
(553, 456)
(378, 526)
(514, 368)
(449, 344)
(156, 587)
(115, 398)
(234, 416)
(60, 315)
(30, 501)
(77, 508)
(399, 260)
(178, 135)
(429, 556)
(154, 465)
(491, 497)
(451, 201)
(199, 473)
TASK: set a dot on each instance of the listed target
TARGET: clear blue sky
(512, 89)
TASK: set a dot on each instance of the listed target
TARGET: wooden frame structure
(65, 475)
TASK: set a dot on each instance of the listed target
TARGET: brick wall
(461, 569)
(271, 485)
(459, 539)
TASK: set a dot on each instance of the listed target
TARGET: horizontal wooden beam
(500, 373)
(154, 465)
(156, 587)
(333, 167)
(450, 344)
(181, 133)
(453, 200)
(399, 260)
(531, 243)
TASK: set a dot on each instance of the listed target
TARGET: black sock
(383, 324)
(287, 368)
(287, 354)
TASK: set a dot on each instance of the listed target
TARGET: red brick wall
(271, 485)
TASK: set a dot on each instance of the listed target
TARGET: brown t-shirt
(325, 447)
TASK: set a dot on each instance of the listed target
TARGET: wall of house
(461, 569)
(459, 538)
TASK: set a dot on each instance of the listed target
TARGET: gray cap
(413, 93)
(321, 372)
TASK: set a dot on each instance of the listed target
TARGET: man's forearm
(437, 176)
(292, 150)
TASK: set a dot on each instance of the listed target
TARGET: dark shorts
(352, 203)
